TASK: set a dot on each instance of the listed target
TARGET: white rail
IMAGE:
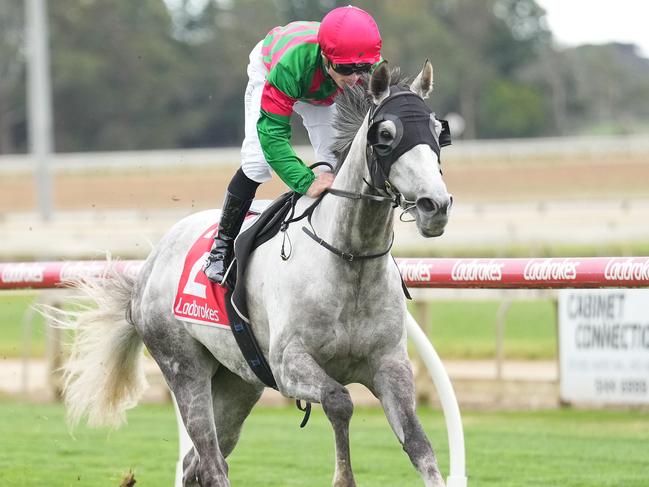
(586, 147)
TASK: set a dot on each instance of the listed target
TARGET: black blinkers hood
(415, 124)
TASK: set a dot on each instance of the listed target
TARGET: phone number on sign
(626, 386)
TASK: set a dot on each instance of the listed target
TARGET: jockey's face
(341, 80)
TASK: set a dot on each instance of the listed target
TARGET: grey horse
(321, 320)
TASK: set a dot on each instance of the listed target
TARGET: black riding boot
(232, 216)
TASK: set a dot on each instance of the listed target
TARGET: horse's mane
(353, 104)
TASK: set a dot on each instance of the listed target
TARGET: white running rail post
(450, 408)
(184, 444)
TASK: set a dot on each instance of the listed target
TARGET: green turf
(553, 448)
(38, 451)
(13, 308)
(460, 329)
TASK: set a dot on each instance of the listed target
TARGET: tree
(172, 73)
(494, 39)
(119, 76)
(523, 115)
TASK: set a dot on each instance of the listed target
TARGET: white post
(457, 474)
(39, 101)
(184, 444)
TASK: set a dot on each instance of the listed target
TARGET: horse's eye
(385, 134)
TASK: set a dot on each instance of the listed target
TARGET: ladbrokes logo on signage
(415, 272)
(475, 270)
(82, 270)
(626, 270)
(27, 273)
(550, 270)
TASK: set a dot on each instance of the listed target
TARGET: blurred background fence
(575, 196)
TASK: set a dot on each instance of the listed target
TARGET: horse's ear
(380, 83)
(423, 83)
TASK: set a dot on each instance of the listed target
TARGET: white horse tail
(105, 373)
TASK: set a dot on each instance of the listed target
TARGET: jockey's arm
(275, 140)
(274, 130)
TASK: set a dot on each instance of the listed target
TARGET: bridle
(415, 124)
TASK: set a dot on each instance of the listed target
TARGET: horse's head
(403, 143)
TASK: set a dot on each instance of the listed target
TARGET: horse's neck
(355, 226)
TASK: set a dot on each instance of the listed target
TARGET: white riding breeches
(318, 121)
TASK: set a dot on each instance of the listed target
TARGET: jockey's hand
(322, 181)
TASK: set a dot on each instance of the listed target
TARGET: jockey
(299, 67)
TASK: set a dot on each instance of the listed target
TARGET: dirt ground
(523, 385)
(201, 188)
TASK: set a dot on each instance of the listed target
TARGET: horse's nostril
(426, 205)
(446, 207)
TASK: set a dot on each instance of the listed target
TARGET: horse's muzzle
(432, 215)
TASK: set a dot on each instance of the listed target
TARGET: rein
(308, 213)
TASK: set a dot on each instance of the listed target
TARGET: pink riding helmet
(349, 35)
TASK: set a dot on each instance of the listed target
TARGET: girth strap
(248, 344)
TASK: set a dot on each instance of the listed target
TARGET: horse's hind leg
(301, 377)
(393, 384)
(188, 369)
(232, 400)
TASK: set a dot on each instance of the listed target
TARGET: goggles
(349, 69)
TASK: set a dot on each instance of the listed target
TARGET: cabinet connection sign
(604, 346)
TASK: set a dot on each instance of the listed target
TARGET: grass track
(553, 448)
(13, 306)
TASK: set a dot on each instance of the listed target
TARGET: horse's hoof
(344, 481)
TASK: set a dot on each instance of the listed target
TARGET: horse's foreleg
(337, 405)
(393, 384)
(190, 469)
(302, 378)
